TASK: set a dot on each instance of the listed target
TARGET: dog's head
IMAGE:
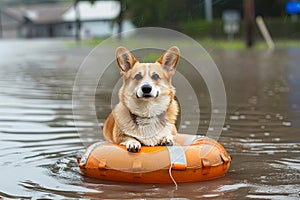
(147, 82)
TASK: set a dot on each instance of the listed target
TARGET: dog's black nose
(146, 89)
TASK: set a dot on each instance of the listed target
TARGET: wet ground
(39, 143)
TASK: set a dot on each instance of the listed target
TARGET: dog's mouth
(147, 96)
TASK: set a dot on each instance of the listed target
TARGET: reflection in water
(39, 143)
(294, 84)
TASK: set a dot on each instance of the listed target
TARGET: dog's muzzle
(147, 91)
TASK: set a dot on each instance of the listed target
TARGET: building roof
(13, 13)
(57, 13)
(39, 14)
(99, 10)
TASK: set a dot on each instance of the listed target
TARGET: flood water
(39, 143)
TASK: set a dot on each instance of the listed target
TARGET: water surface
(39, 143)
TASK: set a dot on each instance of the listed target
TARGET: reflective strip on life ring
(192, 139)
(177, 157)
(89, 150)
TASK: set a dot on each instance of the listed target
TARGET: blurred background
(200, 19)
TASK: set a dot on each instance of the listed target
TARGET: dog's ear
(169, 59)
(125, 59)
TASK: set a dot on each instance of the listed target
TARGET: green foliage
(150, 57)
(200, 28)
(270, 8)
(279, 28)
(161, 13)
(171, 13)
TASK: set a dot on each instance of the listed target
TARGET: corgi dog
(147, 111)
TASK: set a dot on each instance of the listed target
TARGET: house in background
(10, 23)
(59, 20)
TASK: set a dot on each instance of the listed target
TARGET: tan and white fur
(147, 110)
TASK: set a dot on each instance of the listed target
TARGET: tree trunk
(78, 22)
(1, 35)
(249, 21)
(120, 20)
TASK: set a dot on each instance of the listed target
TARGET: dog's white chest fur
(152, 130)
(148, 131)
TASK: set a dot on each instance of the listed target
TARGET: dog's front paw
(167, 141)
(132, 145)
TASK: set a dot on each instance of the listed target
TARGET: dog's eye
(138, 77)
(155, 77)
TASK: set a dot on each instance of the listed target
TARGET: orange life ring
(194, 159)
